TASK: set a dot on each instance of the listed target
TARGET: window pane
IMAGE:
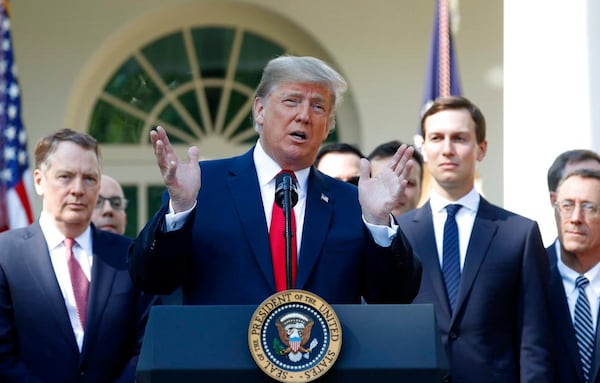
(169, 59)
(133, 85)
(112, 125)
(236, 102)
(170, 115)
(130, 192)
(190, 102)
(256, 51)
(213, 98)
(154, 199)
(213, 49)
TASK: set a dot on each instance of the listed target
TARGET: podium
(380, 343)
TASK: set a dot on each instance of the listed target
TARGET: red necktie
(277, 236)
(79, 281)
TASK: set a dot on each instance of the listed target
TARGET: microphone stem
(287, 211)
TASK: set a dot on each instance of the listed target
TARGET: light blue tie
(451, 254)
(584, 329)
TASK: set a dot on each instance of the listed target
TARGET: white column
(547, 96)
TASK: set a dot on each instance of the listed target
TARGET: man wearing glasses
(109, 213)
(575, 275)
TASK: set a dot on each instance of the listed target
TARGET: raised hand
(182, 178)
(378, 195)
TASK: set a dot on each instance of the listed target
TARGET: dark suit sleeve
(394, 273)
(534, 313)
(12, 369)
(143, 305)
(157, 259)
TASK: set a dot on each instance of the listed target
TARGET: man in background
(340, 160)
(565, 163)
(574, 186)
(484, 268)
(69, 312)
(109, 213)
(380, 156)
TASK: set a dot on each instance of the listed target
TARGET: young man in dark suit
(484, 268)
(69, 311)
(212, 234)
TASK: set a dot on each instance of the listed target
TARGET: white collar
(470, 201)
(267, 169)
(55, 238)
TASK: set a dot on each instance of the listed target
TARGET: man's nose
(303, 112)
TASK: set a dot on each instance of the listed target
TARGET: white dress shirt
(465, 219)
(82, 251)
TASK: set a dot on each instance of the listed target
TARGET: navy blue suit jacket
(499, 331)
(568, 363)
(36, 338)
(222, 254)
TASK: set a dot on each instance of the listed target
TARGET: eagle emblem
(294, 333)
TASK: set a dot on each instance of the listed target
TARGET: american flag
(15, 178)
(442, 77)
(442, 74)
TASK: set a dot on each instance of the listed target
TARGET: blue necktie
(584, 329)
(451, 253)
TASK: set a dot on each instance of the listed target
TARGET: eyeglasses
(117, 203)
(567, 206)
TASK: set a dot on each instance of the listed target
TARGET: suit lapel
(425, 246)
(103, 277)
(561, 314)
(42, 275)
(318, 212)
(242, 181)
(484, 229)
(595, 372)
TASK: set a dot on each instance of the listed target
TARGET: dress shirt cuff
(382, 235)
(175, 221)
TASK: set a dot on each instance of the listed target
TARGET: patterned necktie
(277, 238)
(584, 330)
(451, 254)
(79, 282)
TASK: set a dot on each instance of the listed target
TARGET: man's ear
(38, 182)
(258, 110)
(481, 150)
(552, 198)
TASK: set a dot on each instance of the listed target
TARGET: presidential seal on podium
(294, 336)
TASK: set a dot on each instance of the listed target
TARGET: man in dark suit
(340, 160)
(68, 309)
(485, 271)
(575, 275)
(563, 164)
(214, 240)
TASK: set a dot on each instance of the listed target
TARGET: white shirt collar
(569, 276)
(470, 201)
(55, 238)
(267, 169)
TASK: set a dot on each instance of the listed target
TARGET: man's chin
(112, 229)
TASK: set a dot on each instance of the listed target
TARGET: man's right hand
(182, 179)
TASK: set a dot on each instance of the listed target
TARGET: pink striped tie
(80, 283)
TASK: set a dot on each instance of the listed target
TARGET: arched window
(196, 77)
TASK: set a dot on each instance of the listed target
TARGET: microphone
(285, 182)
(286, 197)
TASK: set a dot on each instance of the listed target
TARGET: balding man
(109, 213)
